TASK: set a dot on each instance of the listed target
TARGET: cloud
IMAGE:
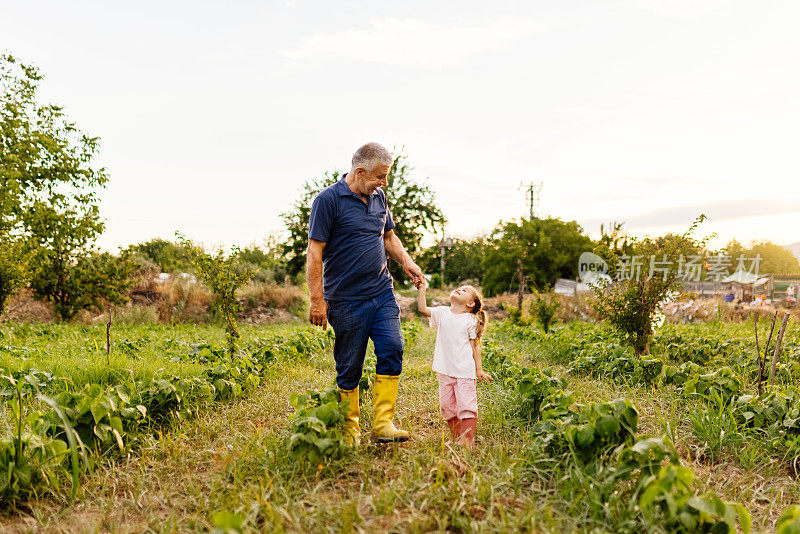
(727, 210)
(412, 42)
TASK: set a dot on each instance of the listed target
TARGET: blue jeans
(356, 321)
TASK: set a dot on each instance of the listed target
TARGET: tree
(68, 271)
(775, 259)
(413, 207)
(48, 193)
(548, 248)
(296, 221)
(463, 260)
(267, 263)
(13, 268)
(224, 276)
(629, 304)
(169, 256)
(412, 204)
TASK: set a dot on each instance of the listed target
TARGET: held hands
(413, 271)
(318, 313)
(483, 376)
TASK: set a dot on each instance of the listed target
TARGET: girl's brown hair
(478, 311)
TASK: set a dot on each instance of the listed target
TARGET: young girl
(457, 358)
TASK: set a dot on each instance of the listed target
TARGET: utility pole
(521, 276)
(534, 197)
(445, 243)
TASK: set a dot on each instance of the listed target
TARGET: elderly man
(350, 235)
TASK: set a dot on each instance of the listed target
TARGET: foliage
(169, 256)
(630, 303)
(74, 281)
(669, 494)
(48, 199)
(722, 382)
(223, 277)
(414, 209)
(463, 260)
(296, 221)
(436, 281)
(613, 243)
(544, 307)
(775, 259)
(679, 375)
(267, 262)
(600, 441)
(27, 458)
(44, 445)
(588, 433)
(540, 391)
(13, 267)
(515, 315)
(315, 432)
(789, 522)
(548, 248)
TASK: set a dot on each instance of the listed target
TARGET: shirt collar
(343, 189)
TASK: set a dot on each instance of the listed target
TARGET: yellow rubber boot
(352, 432)
(385, 398)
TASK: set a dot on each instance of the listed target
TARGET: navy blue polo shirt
(354, 259)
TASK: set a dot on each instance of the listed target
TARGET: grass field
(232, 456)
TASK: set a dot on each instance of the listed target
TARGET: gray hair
(370, 156)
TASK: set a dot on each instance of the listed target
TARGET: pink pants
(458, 397)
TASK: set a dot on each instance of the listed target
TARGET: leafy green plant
(436, 281)
(615, 362)
(789, 522)
(723, 382)
(315, 431)
(668, 494)
(592, 431)
(28, 458)
(630, 303)
(223, 277)
(544, 307)
(679, 375)
(533, 389)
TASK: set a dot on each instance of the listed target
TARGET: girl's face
(463, 296)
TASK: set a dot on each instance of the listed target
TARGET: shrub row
(643, 473)
(76, 426)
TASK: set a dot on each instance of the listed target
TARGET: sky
(212, 114)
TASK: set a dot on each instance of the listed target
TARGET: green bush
(544, 308)
(315, 432)
(436, 281)
(224, 277)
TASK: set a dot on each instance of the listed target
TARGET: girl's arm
(422, 303)
(476, 355)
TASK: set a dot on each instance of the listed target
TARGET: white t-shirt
(452, 355)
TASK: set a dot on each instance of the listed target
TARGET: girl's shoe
(453, 425)
(466, 430)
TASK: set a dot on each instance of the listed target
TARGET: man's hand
(413, 271)
(318, 313)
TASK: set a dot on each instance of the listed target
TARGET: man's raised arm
(318, 310)
(396, 251)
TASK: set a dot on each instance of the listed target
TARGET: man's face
(369, 181)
